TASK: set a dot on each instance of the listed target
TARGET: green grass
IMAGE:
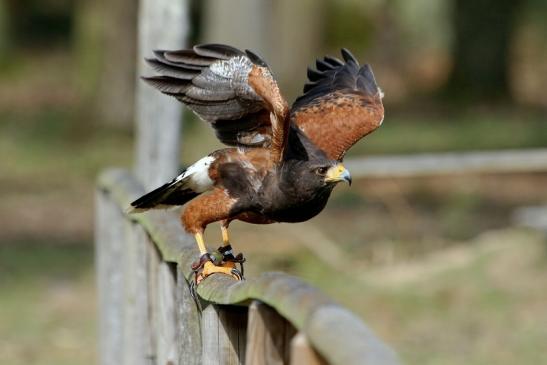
(47, 306)
(55, 147)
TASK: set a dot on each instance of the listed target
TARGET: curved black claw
(197, 265)
(238, 274)
(228, 256)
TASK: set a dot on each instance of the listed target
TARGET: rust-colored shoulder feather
(341, 104)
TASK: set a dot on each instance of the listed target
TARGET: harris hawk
(282, 162)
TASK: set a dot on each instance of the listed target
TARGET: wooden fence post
(138, 347)
(268, 336)
(163, 24)
(223, 331)
(189, 331)
(109, 238)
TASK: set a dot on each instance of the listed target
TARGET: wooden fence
(148, 316)
(503, 161)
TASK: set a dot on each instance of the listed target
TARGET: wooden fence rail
(148, 316)
(502, 161)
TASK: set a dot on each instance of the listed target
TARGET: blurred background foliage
(436, 265)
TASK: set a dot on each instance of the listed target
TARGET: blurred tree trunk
(481, 50)
(283, 32)
(5, 31)
(105, 45)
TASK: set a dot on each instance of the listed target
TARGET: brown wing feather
(262, 82)
(232, 90)
(340, 105)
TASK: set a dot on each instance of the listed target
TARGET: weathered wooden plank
(163, 24)
(152, 271)
(303, 354)
(503, 161)
(109, 236)
(138, 347)
(210, 354)
(223, 331)
(166, 317)
(189, 332)
(233, 333)
(268, 336)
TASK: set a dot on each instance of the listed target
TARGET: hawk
(282, 162)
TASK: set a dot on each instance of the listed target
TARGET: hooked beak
(338, 173)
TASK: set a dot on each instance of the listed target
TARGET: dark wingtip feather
(167, 84)
(366, 80)
(314, 75)
(256, 59)
(323, 66)
(158, 53)
(308, 87)
(216, 50)
(332, 74)
(165, 69)
(333, 61)
(189, 57)
(348, 56)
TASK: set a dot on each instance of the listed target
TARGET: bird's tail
(168, 195)
(183, 188)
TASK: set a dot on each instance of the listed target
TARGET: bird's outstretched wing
(341, 104)
(232, 90)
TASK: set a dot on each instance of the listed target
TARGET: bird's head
(334, 173)
(314, 176)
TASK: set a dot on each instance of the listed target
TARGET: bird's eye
(321, 170)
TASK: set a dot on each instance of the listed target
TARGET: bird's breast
(294, 210)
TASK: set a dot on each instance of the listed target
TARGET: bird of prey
(282, 162)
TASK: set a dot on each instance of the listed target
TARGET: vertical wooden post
(189, 331)
(268, 336)
(109, 238)
(223, 331)
(138, 346)
(163, 24)
(166, 318)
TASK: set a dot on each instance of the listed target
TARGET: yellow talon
(210, 268)
(227, 268)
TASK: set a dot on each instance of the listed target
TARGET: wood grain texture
(223, 330)
(189, 331)
(268, 336)
(166, 324)
(109, 235)
(137, 345)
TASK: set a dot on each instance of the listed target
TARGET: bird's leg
(212, 263)
(226, 249)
